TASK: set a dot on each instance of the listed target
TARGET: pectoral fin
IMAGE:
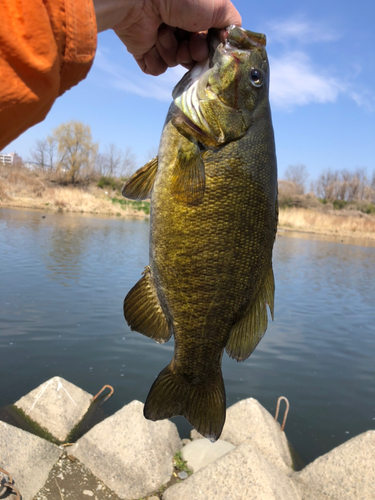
(142, 310)
(249, 330)
(188, 177)
(140, 184)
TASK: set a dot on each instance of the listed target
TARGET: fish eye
(256, 78)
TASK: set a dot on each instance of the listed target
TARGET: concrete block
(69, 479)
(345, 473)
(249, 420)
(57, 406)
(131, 455)
(27, 458)
(241, 474)
(202, 452)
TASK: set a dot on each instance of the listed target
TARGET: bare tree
(371, 194)
(358, 185)
(39, 153)
(128, 163)
(114, 159)
(344, 185)
(44, 152)
(298, 175)
(326, 185)
(51, 151)
(373, 180)
(100, 163)
(115, 162)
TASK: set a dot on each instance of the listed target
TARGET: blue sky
(322, 57)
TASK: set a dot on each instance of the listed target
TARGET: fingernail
(166, 40)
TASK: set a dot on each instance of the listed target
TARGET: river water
(63, 280)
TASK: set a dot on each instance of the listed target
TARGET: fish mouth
(232, 38)
(241, 39)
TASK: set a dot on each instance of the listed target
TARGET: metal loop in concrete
(286, 410)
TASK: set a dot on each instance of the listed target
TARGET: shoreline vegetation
(33, 189)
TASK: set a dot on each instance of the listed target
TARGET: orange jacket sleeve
(46, 47)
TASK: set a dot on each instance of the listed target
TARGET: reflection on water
(63, 281)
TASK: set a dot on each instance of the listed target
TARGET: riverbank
(344, 223)
(90, 200)
(32, 190)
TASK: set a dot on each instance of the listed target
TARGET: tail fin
(203, 407)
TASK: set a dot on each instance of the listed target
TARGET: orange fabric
(46, 47)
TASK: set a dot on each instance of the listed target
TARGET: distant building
(7, 158)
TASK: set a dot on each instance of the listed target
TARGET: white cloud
(295, 82)
(159, 88)
(364, 99)
(297, 28)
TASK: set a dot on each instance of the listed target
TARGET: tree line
(334, 185)
(71, 153)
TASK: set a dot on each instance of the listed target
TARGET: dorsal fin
(140, 184)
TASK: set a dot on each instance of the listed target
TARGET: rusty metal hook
(101, 390)
(286, 410)
(9, 485)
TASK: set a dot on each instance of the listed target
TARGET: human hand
(165, 33)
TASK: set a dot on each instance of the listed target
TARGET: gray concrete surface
(202, 452)
(69, 479)
(345, 473)
(57, 406)
(27, 458)
(131, 455)
(241, 474)
(249, 420)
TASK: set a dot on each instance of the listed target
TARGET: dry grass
(24, 189)
(342, 223)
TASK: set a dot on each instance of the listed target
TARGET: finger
(167, 46)
(183, 54)
(141, 63)
(225, 15)
(188, 66)
(198, 47)
(181, 34)
(194, 16)
(154, 64)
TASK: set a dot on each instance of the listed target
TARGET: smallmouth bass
(213, 190)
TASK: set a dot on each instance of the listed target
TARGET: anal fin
(142, 310)
(140, 184)
(249, 330)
